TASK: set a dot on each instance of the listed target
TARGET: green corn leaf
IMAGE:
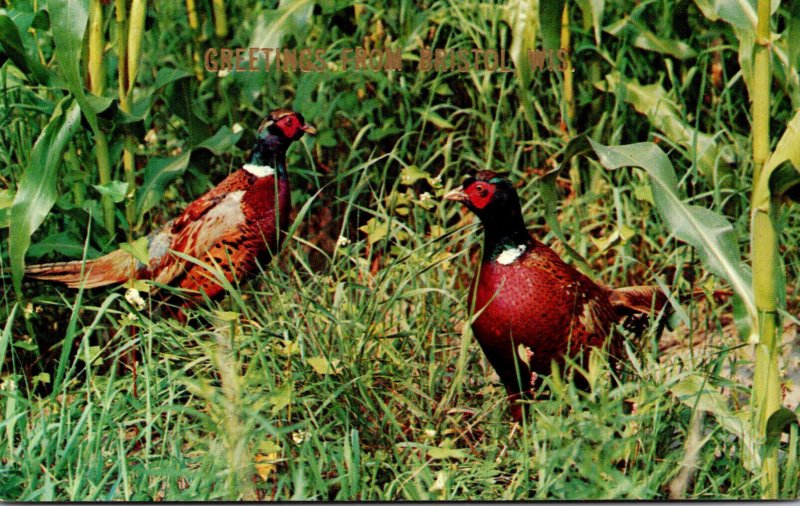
(290, 18)
(645, 39)
(11, 42)
(594, 8)
(68, 20)
(710, 233)
(779, 422)
(550, 19)
(521, 17)
(37, 189)
(158, 174)
(695, 392)
(138, 249)
(115, 190)
(653, 101)
(776, 175)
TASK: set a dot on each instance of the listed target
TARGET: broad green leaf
(42, 377)
(785, 181)
(158, 174)
(137, 248)
(322, 366)
(707, 8)
(167, 76)
(433, 117)
(179, 97)
(741, 14)
(645, 39)
(115, 190)
(90, 357)
(779, 422)
(662, 112)
(550, 12)
(695, 392)
(711, 234)
(437, 453)
(63, 243)
(375, 230)
(269, 446)
(787, 150)
(37, 189)
(594, 9)
(6, 201)
(11, 43)
(222, 141)
(411, 174)
(68, 22)
(792, 36)
(26, 345)
(291, 17)
(281, 397)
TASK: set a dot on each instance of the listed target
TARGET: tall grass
(346, 369)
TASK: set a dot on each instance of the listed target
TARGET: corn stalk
(97, 86)
(130, 31)
(220, 18)
(569, 89)
(766, 396)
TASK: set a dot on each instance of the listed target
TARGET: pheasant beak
(456, 194)
(309, 129)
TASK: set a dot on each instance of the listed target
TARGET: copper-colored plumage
(231, 227)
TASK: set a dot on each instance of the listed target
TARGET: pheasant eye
(481, 190)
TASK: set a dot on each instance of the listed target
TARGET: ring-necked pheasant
(234, 225)
(524, 294)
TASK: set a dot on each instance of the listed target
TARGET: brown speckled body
(542, 303)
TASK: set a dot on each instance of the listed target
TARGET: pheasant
(233, 226)
(525, 294)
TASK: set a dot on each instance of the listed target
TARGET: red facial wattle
(289, 125)
(480, 194)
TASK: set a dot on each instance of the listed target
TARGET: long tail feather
(116, 267)
(631, 300)
(648, 300)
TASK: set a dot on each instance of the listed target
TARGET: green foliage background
(346, 370)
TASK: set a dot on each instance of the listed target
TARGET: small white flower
(28, 310)
(299, 436)
(342, 241)
(424, 197)
(237, 127)
(151, 137)
(133, 298)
